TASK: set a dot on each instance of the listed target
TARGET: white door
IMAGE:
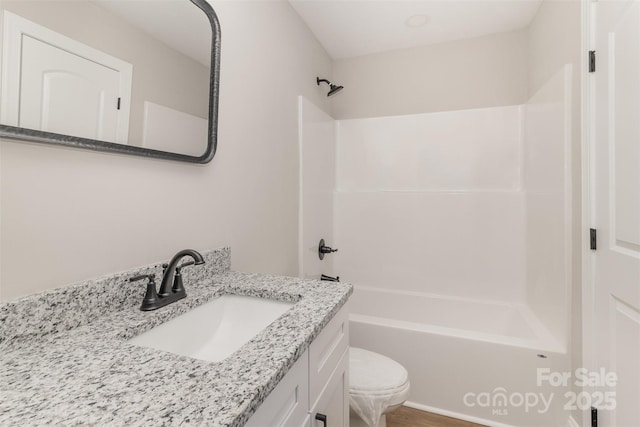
(53, 83)
(64, 93)
(616, 193)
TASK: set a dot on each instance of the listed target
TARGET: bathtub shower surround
(433, 201)
(547, 198)
(316, 131)
(455, 229)
(474, 277)
(66, 359)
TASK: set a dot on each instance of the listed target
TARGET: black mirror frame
(13, 132)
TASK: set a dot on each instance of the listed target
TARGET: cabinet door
(332, 407)
(326, 351)
(288, 404)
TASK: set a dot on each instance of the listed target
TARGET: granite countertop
(79, 369)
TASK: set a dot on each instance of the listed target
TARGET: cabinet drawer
(288, 404)
(325, 352)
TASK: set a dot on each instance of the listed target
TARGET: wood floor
(409, 417)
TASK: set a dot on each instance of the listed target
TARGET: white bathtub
(461, 352)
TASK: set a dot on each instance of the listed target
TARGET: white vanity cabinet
(332, 407)
(315, 391)
(288, 403)
(328, 374)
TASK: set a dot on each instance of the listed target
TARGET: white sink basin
(214, 330)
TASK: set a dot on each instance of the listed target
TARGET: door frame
(589, 219)
(14, 28)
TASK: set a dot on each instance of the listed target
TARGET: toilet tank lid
(369, 371)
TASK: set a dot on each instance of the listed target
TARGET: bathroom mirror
(135, 77)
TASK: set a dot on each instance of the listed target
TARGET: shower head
(333, 89)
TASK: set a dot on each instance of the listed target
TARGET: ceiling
(349, 28)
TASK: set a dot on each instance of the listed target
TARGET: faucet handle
(324, 249)
(178, 286)
(142, 277)
(151, 295)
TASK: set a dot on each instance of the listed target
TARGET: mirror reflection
(127, 72)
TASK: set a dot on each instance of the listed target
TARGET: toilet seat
(372, 375)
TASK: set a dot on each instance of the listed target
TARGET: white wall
(472, 73)
(69, 215)
(317, 182)
(432, 203)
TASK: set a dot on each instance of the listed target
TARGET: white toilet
(377, 385)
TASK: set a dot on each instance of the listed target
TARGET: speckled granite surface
(72, 306)
(82, 371)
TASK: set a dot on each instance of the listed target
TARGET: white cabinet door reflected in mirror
(56, 84)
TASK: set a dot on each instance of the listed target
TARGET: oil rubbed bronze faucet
(171, 288)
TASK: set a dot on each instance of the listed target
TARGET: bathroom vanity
(67, 356)
(315, 392)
